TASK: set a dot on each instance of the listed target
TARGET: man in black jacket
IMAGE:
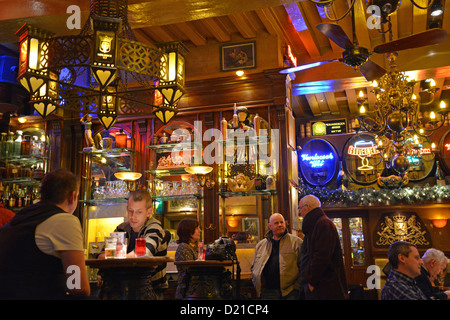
(322, 266)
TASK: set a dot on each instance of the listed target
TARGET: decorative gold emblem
(105, 43)
(401, 227)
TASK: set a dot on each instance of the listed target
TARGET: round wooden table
(207, 279)
(127, 279)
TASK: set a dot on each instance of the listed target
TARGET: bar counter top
(143, 262)
(204, 263)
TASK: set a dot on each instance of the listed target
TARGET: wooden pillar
(55, 145)
(283, 175)
(211, 204)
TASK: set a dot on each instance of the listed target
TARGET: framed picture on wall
(238, 56)
(251, 226)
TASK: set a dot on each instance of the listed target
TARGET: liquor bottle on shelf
(121, 139)
(26, 146)
(36, 196)
(27, 197)
(35, 146)
(18, 144)
(4, 137)
(259, 183)
(20, 196)
(107, 140)
(9, 149)
(12, 197)
(5, 197)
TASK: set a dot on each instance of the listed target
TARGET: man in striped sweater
(142, 224)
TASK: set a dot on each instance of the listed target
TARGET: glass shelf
(24, 159)
(168, 172)
(177, 197)
(247, 193)
(21, 180)
(104, 202)
(248, 140)
(110, 153)
(179, 146)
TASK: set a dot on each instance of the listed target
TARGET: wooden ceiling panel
(189, 30)
(216, 28)
(243, 25)
(196, 22)
(312, 18)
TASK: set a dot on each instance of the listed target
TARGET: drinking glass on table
(140, 247)
(110, 247)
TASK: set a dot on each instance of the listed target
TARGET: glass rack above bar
(179, 146)
(177, 197)
(247, 193)
(104, 202)
(117, 152)
(168, 171)
(245, 139)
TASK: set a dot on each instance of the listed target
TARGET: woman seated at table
(188, 236)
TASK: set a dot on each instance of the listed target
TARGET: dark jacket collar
(310, 220)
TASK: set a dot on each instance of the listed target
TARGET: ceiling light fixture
(397, 120)
(103, 70)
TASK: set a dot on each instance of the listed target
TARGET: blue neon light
(317, 161)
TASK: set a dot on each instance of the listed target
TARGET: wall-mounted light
(240, 73)
(129, 178)
(439, 223)
(202, 173)
(436, 8)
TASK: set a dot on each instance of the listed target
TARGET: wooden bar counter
(208, 279)
(127, 279)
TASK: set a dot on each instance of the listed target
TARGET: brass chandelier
(399, 123)
(103, 70)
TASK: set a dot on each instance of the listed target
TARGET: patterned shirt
(401, 287)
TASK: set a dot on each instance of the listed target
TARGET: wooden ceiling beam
(312, 18)
(269, 23)
(242, 24)
(143, 37)
(159, 34)
(216, 29)
(288, 31)
(191, 32)
(313, 104)
(351, 99)
(332, 103)
(322, 102)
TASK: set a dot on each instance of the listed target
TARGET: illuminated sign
(318, 162)
(361, 159)
(364, 150)
(325, 127)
